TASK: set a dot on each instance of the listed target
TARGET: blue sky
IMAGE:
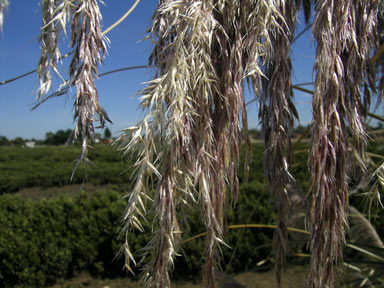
(19, 53)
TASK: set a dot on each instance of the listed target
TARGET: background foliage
(52, 166)
(44, 240)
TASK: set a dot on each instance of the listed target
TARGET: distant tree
(37, 142)
(254, 134)
(4, 141)
(18, 141)
(48, 138)
(59, 138)
(301, 130)
(107, 133)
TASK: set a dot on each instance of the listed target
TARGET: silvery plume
(3, 6)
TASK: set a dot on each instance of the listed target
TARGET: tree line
(60, 137)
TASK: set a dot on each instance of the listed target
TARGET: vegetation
(44, 241)
(187, 147)
(47, 228)
(60, 137)
(53, 166)
(51, 239)
(107, 133)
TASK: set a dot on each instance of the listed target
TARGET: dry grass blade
(374, 194)
(362, 231)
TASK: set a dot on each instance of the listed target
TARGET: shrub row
(41, 242)
(52, 166)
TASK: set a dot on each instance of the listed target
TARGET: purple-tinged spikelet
(88, 43)
(277, 113)
(344, 34)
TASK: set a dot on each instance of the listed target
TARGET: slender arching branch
(17, 77)
(302, 89)
(240, 226)
(125, 69)
(122, 18)
(64, 88)
(302, 32)
(378, 54)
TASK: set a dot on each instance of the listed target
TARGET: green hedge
(41, 242)
(52, 166)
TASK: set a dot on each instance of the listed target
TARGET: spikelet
(277, 113)
(55, 15)
(163, 139)
(89, 46)
(191, 135)
(344, 34)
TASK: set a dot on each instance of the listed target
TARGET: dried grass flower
(187, 147)
(196, 119)
(277, 114)
(55, 15)
(344, 31)
(89, 47)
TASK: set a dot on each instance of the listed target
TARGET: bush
(41, 242)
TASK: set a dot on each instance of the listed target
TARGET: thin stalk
(377, 54)
(302, 89)
(375, 116)
(309, 26)
(242, 226)
(130, 10)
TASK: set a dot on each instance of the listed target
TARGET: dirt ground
(294, 277)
